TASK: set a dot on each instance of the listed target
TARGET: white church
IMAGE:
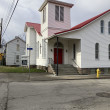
(64, 49)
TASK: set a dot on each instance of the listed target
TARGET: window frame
(38, 49)
(17, 58)
(109, 27)
(17, 47)
(109, 51)
(58, 13)
(44, 15)
(102, 26)
(97, 51)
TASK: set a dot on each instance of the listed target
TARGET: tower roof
(55, 2)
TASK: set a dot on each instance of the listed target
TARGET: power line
(9, 12)
(10, 17)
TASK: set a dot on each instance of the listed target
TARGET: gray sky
(27, 10)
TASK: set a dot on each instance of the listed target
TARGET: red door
(60, 55)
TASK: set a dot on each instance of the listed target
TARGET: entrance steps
(65, 69)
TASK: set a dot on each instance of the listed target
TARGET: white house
(85, 46)
(14, 50)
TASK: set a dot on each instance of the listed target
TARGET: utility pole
(1, 25)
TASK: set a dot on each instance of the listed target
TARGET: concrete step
(66, 69)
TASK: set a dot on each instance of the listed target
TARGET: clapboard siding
(11, 51)
(90, 35)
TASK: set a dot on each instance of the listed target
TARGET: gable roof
(55, 2)
(36, 26)
(15, 39)
(79, 26)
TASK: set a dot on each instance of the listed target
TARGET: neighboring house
(14, 49)
(85, 46)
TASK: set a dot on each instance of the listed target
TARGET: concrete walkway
(23, 77)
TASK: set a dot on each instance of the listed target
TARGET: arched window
(97, 51)
(109, 51)
(109, 27)
(60, 45)
(102, 26)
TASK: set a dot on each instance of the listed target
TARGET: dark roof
(55, 2)
(85, 22)
(36, 26)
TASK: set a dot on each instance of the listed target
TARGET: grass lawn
(5, 69)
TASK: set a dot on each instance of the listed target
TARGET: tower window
(102, 26)
(59, 13)
(44, 15)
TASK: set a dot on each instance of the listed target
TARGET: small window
(17, 58)
(109, 51)
(109, 27)
(102, 26)
(97, 51)
(17, 47)
(74, 51)
(44, 15)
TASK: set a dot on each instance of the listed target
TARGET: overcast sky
(27, 10)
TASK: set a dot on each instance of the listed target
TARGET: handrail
(51, 61)
(75, 63)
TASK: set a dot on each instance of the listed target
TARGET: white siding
(90, 35)
(11, 52)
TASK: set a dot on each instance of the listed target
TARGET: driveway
(56, 95)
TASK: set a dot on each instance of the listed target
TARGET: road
(56, 95)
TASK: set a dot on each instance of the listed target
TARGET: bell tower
(55, 17)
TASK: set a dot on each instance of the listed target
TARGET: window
(109, 27)
(59, 13)
(102, 26)
(17, 58)
(17, 47)
(43, 49)
(97, 51)
(74, 51)
(44, 15)
(38, 49)
(109, 51)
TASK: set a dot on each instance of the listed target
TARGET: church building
(63, 49)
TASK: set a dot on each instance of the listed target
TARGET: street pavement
(86, 94)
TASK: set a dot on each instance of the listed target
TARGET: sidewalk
(23, 77)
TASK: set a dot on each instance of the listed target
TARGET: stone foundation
(86, 71)
(42, 67)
